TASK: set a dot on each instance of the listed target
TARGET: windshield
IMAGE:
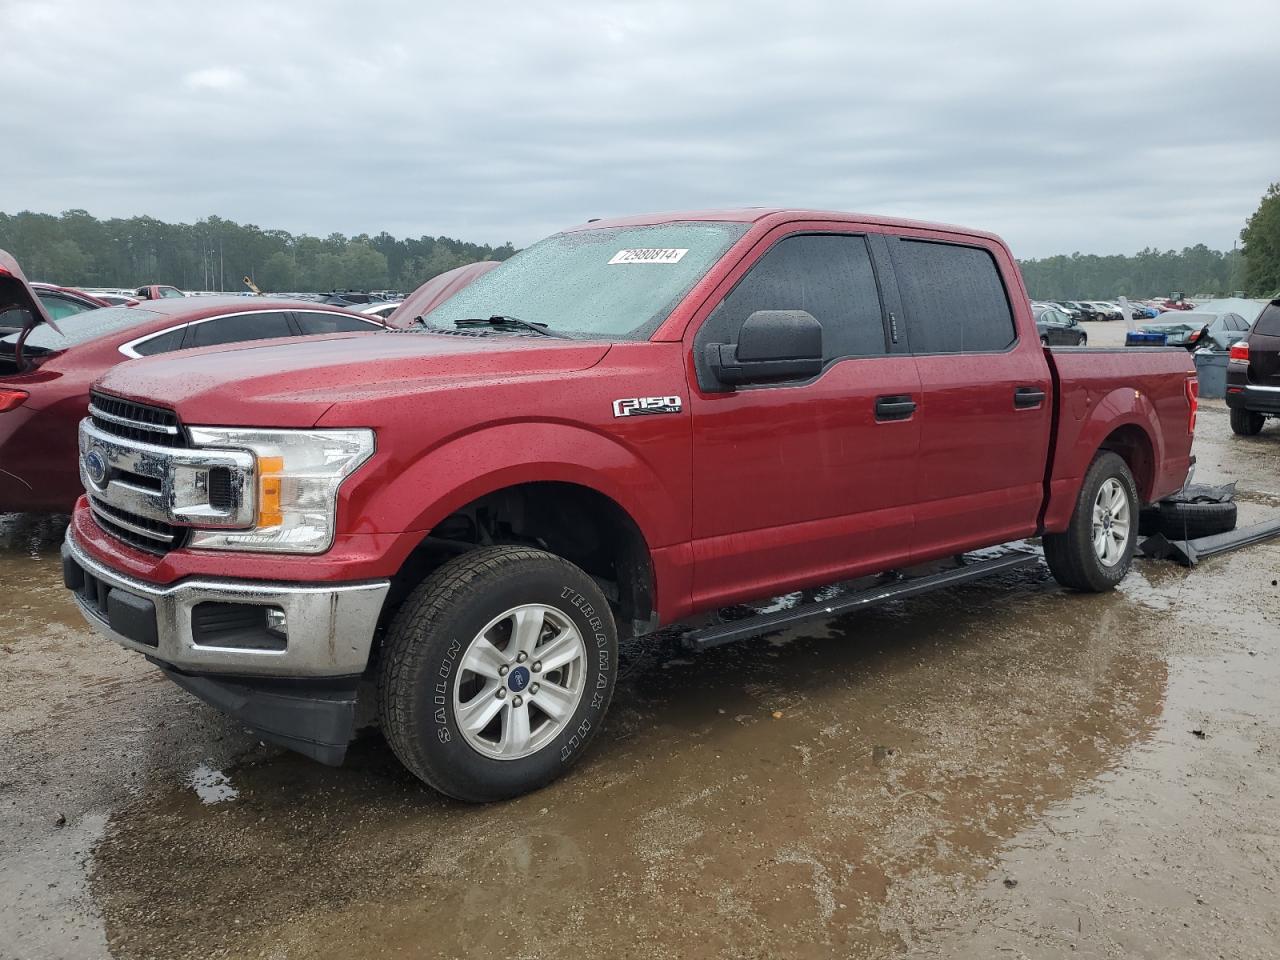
(80, 327)
(612, 282)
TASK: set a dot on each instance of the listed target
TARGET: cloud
(1091, 126)
(215, 78)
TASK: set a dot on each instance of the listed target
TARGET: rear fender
(1081, 436)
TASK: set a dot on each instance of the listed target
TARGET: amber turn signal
(269, 471)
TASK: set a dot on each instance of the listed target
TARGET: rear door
(1264, 347)
(1065, 332)
(985, 414)
(799, 483)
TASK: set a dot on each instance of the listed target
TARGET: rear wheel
(1084, 340)
(1096, 551)
(496, 672)
(1044, 341)
(1246, 423)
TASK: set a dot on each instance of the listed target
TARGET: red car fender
(450, 476)
(1079, 441)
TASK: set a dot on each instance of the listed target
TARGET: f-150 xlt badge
(635, 406)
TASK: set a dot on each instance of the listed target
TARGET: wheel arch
(572, 520)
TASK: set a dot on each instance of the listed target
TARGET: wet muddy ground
(1001, 769)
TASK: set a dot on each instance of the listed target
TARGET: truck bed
(1130, 398)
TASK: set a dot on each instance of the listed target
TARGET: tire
(1083, 341)
(426, 678)
(1044, 341)
(1187, 521)
(1246, 423)
(1073, 558)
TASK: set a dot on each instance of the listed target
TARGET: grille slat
(136, 421)
(137, 531)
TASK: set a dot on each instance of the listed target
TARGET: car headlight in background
(298, 476)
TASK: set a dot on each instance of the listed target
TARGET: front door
(801, 483)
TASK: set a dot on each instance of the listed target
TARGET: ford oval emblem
(96, 467)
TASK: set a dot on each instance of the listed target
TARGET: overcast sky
(1091, 126)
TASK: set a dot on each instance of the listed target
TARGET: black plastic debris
(1204, 493)
(1190, 552)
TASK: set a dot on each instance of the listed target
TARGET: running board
(1190, 552)
(722, 633)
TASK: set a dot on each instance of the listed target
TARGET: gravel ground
(999, 769)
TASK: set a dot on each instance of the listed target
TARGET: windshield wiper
(541, 329)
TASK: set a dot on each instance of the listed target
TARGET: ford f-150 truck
(631, 424)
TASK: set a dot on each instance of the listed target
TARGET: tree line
(1148, 273)
(77, 249)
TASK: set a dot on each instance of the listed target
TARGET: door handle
(1026, 397)
(895, 407)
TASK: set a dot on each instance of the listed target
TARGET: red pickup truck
(631, 424)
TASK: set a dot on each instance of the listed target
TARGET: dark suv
(1253, 374)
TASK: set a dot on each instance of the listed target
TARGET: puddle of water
(46, 912)
(211, 786)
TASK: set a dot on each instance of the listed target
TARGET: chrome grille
(136, 421)
(135, 529)
(148, 493)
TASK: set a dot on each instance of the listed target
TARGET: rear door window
(1268, 322)
(334, 323)
(161, 343)
(241, 327)
(829, 276)
(953, 298)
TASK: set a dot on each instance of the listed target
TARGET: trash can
(1211, 368)
(1139, 338)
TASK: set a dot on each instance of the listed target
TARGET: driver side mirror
(772, 345)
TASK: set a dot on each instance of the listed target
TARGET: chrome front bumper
(330, 628)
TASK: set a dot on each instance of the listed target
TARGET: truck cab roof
(770, 216)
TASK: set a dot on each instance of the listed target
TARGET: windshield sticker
(649, 255)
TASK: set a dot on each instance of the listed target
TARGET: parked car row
(1093, 310)
(45, 373)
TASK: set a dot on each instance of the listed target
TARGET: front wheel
(1096, 551)
(1083, 341)
(1246, 423)
(496, 672)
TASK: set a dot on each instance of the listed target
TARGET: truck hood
(292, 382)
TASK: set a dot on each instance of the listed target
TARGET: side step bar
(721, 633)
(1190, 552)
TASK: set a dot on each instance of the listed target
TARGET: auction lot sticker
(650, 255)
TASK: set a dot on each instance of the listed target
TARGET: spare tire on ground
(1188, 521)
(1197, 510)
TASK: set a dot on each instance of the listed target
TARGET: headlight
(298, 476)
